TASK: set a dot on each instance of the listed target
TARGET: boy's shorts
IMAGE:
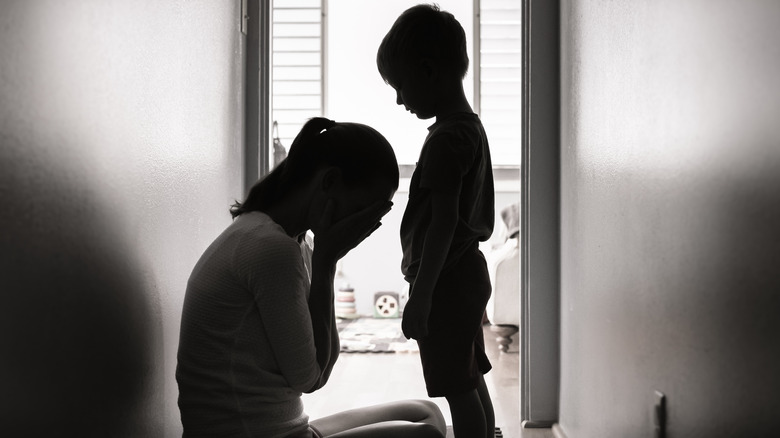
(453, 354)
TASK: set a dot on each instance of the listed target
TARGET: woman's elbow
(320, 382)
(317, 385)
(307, 385)
(312, 389)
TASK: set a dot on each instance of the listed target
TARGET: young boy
(450, 210)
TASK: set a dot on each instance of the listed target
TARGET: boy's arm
(438, 238)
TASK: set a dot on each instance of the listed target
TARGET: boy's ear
(428, 68)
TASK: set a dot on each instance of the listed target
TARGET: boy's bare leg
(410, 418)
(468, 415)
(487, 407)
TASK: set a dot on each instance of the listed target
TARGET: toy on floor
(345, 302)
(386, 305)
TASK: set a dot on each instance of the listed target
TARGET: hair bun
(302, 147)
(319, 124)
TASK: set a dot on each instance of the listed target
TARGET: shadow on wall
(696, 318)
(722, 331)
(77, 331)
(747, 325)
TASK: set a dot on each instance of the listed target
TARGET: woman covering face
(258, 324)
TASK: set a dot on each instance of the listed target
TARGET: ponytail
(262, 194)
(303, 150)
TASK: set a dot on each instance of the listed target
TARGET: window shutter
(297, 65)
(500, 82)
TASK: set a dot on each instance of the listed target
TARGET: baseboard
(557, 431)
(451, 433)
(528, 424)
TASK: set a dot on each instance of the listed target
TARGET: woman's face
(351, 199)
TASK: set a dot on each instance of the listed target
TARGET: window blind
(500, 81)
(297, 58)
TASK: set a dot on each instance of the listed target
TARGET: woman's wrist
(323, 260)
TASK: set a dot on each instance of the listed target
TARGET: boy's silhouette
(450, 210)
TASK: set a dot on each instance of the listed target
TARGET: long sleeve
(245, 349)
(278, 279)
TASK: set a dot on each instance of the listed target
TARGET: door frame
(540, 210)
(539, 195)
(256, 14)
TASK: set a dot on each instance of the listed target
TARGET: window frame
(257, 92)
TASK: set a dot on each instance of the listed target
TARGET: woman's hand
(333, 241)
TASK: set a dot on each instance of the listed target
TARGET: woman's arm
(333, 241)
(275, 273)
(323, 319)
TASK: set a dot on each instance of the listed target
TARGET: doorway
(533, 174)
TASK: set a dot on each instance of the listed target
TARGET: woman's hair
(423, 31)
(361, 153)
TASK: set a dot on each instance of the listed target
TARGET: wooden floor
(365, 379)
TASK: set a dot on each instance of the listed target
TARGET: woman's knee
(431, 416)
(426, 406)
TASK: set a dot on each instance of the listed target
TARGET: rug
(374, 335)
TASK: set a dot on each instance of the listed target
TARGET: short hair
(423, 31)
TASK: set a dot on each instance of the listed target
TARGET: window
(500, 78)
(324, 55)
(297, 74)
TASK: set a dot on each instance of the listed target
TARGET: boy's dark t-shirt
(455, 159)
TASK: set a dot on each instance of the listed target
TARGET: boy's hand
(415, 319)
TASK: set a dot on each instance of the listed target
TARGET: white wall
(121, 149)
(670, 217)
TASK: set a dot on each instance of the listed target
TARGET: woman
(258, 325)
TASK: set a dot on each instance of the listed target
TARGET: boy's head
(423, 32)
